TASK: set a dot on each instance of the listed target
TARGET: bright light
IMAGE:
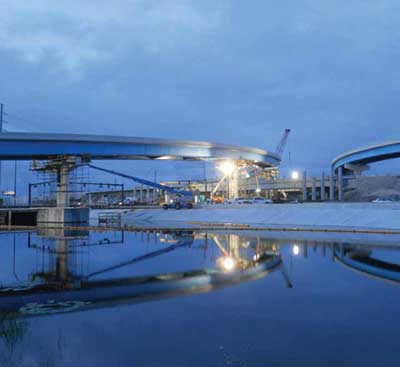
(227, 167)
(258, 190)
(164, 157)
(294, 175)
(228, 263)
(296, 250)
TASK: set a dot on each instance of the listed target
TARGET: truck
(179, 202)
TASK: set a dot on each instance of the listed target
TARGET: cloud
(75, 34)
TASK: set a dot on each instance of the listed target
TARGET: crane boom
(142, 181)
(281, 145)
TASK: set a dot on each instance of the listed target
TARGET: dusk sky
(235, 72)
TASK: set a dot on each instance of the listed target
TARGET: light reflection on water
(263, 301)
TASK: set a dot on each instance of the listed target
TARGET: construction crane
(281, 145)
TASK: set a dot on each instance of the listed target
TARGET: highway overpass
(356, 161)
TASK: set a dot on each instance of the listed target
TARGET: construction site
(64, 192)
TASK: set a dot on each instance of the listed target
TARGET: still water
(79, 298)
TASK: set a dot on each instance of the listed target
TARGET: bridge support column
(322, 185)
(304, 186)
(141, 194)
(62, 213)
(314, 189)
(340, 183)
(62, 198)
(331, 187)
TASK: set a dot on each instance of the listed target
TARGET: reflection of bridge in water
(58, 287)
(356, 257)
(59, 283)
(361, 260)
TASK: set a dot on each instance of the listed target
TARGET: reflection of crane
(182, 243)
(281, 145)
(231, 255)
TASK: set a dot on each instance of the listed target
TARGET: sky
(235, 72)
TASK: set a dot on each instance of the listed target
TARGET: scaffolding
(65, 182)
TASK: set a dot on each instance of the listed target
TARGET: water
(78, 298)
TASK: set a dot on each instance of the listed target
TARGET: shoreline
(318, 217)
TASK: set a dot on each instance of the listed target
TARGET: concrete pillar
(148, 195)
(304, 186)
(62, 187)
(314, 189)
(331, 187)
(322, 186)
(340, 184)
(141, 194)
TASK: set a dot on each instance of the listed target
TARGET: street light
(294, 175)
(227, 167)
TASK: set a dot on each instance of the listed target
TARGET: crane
(142, 181)
(281, 145)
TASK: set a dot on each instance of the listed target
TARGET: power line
(12, 117)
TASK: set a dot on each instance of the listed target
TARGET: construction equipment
(178, 202)
(142, 181)
(281, 145)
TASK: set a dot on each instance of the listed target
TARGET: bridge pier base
(61, 215)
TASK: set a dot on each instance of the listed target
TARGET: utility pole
(15, 183)
(1, 130)
(205, 179)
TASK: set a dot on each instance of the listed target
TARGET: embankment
(382, 216)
